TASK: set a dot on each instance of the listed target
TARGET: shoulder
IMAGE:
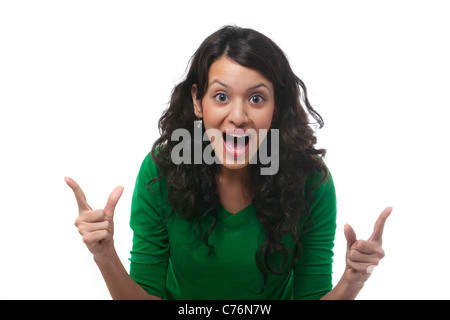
(320, 192)
(149, 167)
(150, 181)
(319, 179)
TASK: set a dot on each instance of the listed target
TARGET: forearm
(344, 290)
(120, 285)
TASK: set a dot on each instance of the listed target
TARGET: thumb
(350, 235)
(112, 201)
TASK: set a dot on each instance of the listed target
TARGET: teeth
(235, 135)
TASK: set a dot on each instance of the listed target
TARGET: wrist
(105, 258)
(351, 281)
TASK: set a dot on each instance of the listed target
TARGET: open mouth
(235, 142)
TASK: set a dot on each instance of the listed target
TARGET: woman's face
(238, 102)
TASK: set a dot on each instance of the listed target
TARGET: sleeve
(150, 251)
(313, 271)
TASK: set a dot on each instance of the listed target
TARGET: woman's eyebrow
(218, 82)
(249, 89)
(259, 85)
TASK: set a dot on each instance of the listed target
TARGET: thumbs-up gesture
(96, 226)
(363, 256)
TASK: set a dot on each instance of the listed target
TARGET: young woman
(225, 230)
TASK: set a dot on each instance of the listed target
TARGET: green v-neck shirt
(168, 259)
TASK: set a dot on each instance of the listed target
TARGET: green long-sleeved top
(169, 261)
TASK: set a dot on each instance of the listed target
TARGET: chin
(235, 166)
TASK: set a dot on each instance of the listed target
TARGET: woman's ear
(196, 102)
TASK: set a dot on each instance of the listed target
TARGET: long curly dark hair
(278, 199)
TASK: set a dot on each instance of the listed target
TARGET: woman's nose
(238, 114)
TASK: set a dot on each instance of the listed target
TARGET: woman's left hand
(363, 256)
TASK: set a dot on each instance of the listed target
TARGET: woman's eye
(256, 99)
(221, 97)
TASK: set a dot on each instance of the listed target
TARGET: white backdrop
(83, 83)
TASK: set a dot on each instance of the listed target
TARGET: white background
(83, 83)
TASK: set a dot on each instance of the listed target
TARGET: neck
(232, 176)
(233, 191)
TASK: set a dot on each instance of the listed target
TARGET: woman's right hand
(96, 226)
